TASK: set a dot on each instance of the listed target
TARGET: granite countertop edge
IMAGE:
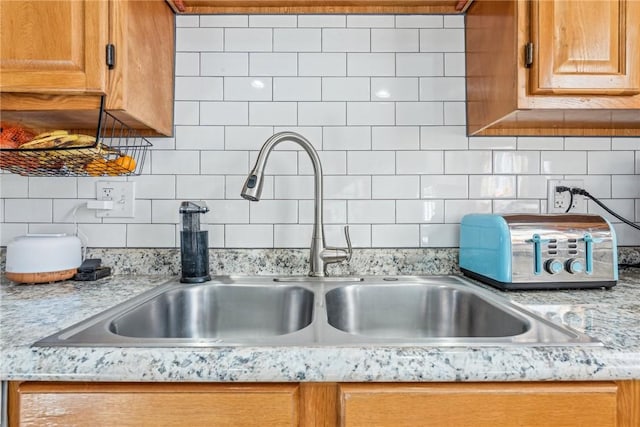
(30, 312)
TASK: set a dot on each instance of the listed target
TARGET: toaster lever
(537, 253)
(588, 252)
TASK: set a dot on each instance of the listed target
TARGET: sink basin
(419, 310)
(265, 311)
(225, 312)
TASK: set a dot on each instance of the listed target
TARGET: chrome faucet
(320, 255)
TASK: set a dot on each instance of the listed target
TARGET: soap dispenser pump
(194, 243)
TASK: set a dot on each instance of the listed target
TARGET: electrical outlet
(558, 202)
(122, 193)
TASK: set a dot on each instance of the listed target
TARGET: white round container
(41, 258)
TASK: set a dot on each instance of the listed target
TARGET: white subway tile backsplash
(441, 40)
(273, 21)
(454, 210)
(518, 162)
(419, 113)
(223, 20)
(370, 21)
(293, 187)
(151, 235)
(274, 212)
(292, 235)
(380, 97)
(492, 186)
(371, 64)
(153, 186)
(395, 235)
(248, 39)
(333, 163)
(334, 211)
(198, 88)
(322, 64)
(186, 113)
(322, 113)
(224, 64)
(322, 21)
(273, 64)
(62, 187)
(234, 211)
(395, 138)
(199, 137)
(467, 162)
(107, 235)
(347, 138)
(248, 89)
(224, 162)
(443, 138)
(563, 162)
(346, 40)
(199, 39)
(442, 89)
(272, 113)
(297, 89)
(200, 187)
(394, 89)
(420, 162)
(419, 21)
(371, 163)
(347, 187)
(248, 236)
(371, 211)
(395, 40)
(610, 162)
(346, 89)
(439, 235)
(370, 113)
(14, 186)
(420, 211)
(297, 40)
(224, 113)
(444, 186)
(419, 64)
(282, 161)
(395, 187)
(187, 63)
(176, 162)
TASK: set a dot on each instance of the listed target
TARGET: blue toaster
(539, 251)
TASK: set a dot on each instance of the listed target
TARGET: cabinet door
(585, 47)
(135, 405)
(53, 46)
(479, 405)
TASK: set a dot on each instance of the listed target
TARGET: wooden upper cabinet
(585, 47)
(553, 67)
(54, 68)
(53, 46)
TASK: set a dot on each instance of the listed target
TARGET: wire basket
(116, 150)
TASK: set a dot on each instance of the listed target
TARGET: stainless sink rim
(318, 332)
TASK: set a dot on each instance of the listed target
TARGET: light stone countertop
(31, 312)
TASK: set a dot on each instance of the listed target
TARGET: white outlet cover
(122, 193)
(558, 202)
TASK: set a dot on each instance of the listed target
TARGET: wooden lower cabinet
(545, 404)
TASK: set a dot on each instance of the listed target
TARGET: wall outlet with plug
(558, 202)
(121, 193)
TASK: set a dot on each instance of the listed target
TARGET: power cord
(583, 192)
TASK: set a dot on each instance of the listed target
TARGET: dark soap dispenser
(194, 243)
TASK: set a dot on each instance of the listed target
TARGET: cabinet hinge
(528, 54)
(111, 56)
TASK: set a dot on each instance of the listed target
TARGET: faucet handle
(349, 247)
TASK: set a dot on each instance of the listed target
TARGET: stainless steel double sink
(266, 311)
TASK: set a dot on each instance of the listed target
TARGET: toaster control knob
(574, 266)
(553, 266)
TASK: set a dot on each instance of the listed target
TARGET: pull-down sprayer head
(252, 189)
